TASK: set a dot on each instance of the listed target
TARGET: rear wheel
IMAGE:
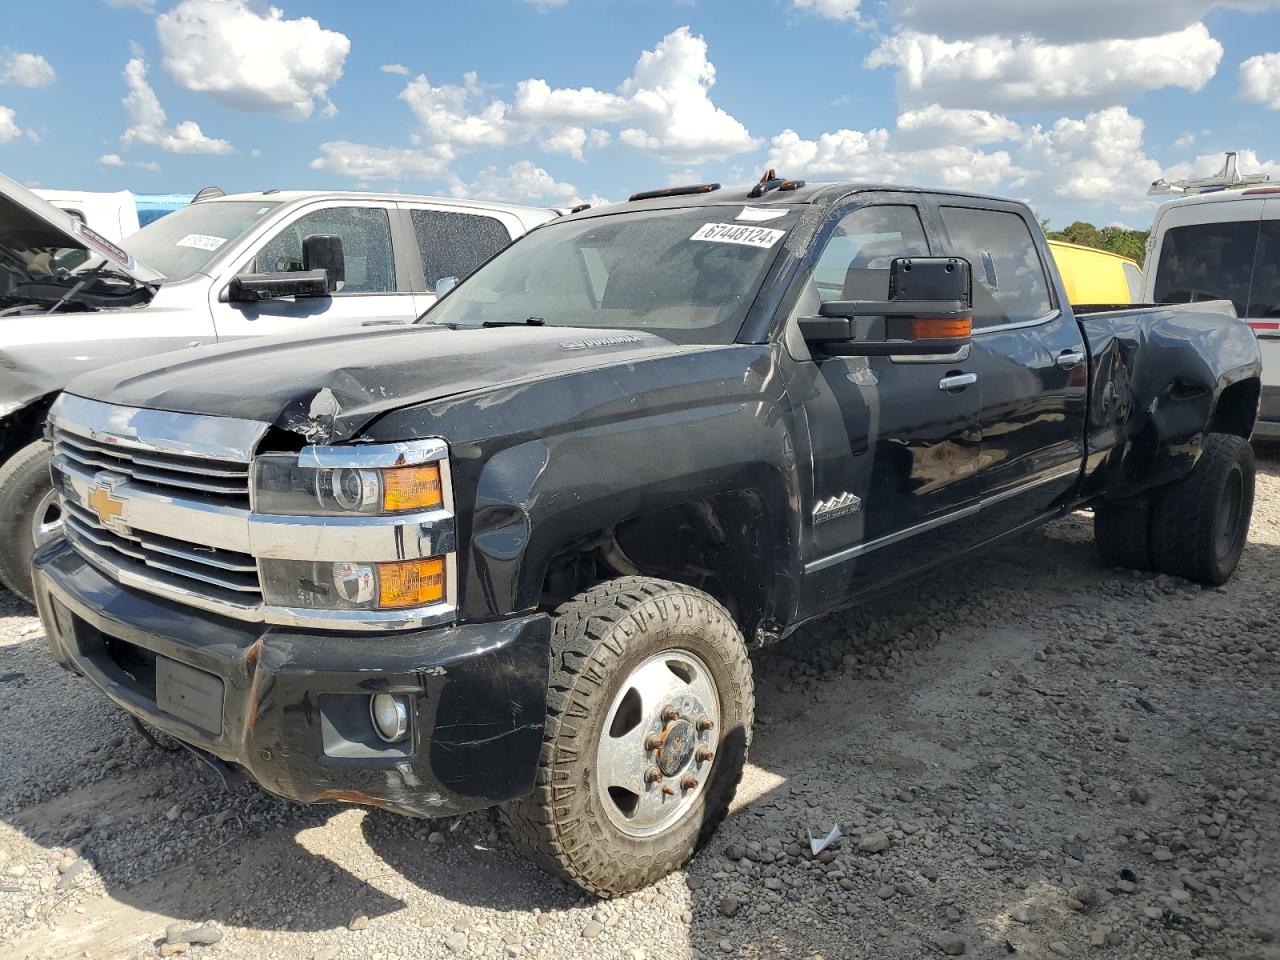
(650, 707)
(30, 515)
(1199, 525)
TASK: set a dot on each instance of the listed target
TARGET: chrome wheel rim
(657, 747)
(46, 523)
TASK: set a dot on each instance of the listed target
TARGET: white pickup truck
(275, 263)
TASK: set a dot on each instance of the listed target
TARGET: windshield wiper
(526, 322)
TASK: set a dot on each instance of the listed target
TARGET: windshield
(688, 275)
(184, 242)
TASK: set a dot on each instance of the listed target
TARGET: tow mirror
(323, 251)
(445, 284)
(929, 310)
(252, 287)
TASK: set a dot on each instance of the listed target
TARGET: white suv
(1225, 245)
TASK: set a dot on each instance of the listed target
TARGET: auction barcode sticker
(738, 233)
(201, 241)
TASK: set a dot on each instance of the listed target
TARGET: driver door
(895, 439)
(378, 288)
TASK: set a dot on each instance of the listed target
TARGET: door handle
(1069, 358)
(955, 381)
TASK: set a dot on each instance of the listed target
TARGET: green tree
(1127, 243)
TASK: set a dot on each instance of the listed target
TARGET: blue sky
(1073, 106)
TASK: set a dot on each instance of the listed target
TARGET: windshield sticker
(101, 243)
(201, 241)
(759, 215)
(761, 237)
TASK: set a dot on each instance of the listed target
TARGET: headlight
(324, 585)
(373, 479)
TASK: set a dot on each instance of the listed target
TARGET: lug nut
(670, 713)
(652, 742)
(704, 722)
(688, 782)
(668, 791)
(704, 755)
(652, 775)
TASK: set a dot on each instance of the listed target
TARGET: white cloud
(9, 129)
(544, 5)
(1100, 157)
(521, 181)
(566, 140)
(1186, 140)
(1064, 21)
(149, 165)
(935, 126)
(831, 9)
(249, 60)
(999, 71)
(397, 68)
(148, 119)
(664, 107)
(146, 6)
(26, 70)
(1260, 79)
(362, 162)
(1209, 164)
(872, 156)
(110, 160)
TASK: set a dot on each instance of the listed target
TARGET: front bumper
(292, 707)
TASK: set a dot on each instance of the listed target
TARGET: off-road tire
(1122, 533)
(24, 481)
(1189, 520)
(598, 637)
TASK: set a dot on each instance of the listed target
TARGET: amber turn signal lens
(412, 488)
(413, 583)
(941, 328)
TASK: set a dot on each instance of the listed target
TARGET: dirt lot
(1030, 755)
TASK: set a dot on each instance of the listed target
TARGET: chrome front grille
(227, 574)
(160, 500)
(166, 471)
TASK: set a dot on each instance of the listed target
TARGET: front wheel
(1199, 525)
(30, 515)
(650, 707)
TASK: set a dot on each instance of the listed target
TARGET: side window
(1009, 284)
(854, 264)
(1264, 299)
(366, 246)
(454, 244)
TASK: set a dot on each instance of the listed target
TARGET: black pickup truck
(516, 554)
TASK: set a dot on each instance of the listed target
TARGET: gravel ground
(1031, 755)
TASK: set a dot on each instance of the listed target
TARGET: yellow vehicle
(1096, 276)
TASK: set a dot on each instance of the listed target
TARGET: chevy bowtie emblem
(108, 507)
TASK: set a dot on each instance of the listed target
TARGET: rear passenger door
(451, 242)
(1031, 362)
(376, 290)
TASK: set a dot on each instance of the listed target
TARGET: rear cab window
(1207, 261)
(1009, 282)
(453, 244)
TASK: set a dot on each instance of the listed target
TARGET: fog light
(390, 715)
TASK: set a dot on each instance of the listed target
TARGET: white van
(1225, 245)
(114, 215)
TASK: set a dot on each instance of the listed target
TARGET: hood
(31, 227)
(327, 389)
